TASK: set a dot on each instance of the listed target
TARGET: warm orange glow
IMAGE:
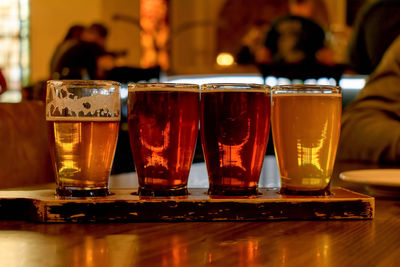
(178, 255)
(92, 252)
(155, 33)
(248, 252)
(225, 59)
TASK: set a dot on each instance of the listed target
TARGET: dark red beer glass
(163, 122)
(234, 130)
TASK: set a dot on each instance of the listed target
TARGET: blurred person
(251, 50)
(97, 34)
(105, 63)
(292, 39)
(74, 32)
(85, 58)
(316, 11)
(371, 124)
(72, 37)
(312, 9)
(376, 26)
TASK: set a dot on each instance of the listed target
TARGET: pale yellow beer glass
(305, 122)
(83, 121)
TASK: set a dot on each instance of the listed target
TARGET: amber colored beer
(163, 127)
(305, 129)
(82, 153)
(234, 134)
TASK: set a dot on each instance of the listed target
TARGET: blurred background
(180, 37)
(194, 41)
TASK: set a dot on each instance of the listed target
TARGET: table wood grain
(268, 243)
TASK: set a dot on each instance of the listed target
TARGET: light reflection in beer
(178, 155)
(310, 155)
(89, 161)
(68, 164)
(232, 153)
(156, 156)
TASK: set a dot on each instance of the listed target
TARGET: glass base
(82, 192)
(150, 192)
(232, 191)
(293, 192)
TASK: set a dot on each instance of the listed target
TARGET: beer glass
(305, 122)
(234, 133)
(163, 120)
(83, 121)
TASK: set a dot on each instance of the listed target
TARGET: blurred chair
(24, 150)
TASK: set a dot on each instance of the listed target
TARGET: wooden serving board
(123, 206)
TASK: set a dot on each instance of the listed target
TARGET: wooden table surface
(267, 243)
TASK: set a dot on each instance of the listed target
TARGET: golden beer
(82, 152)
(83, 124)
(305, 129)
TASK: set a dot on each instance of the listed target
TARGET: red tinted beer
(163, 124)
(234, 134)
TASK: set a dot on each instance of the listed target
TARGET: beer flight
(164, 119)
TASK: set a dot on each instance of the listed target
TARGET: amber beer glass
(83, 121)
(163, 120)
(305, 121)
(234, 134)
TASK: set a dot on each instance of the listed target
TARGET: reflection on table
(198, 177)
(263, 243)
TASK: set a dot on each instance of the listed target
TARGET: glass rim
(133, 87)
(292, 88)
(84, 100)
(213, 87)
(85, 82)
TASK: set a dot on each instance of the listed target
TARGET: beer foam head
(235, 87)
(307, 89)
(83, 100)
(180, 87)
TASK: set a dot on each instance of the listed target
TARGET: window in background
(14, 42)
